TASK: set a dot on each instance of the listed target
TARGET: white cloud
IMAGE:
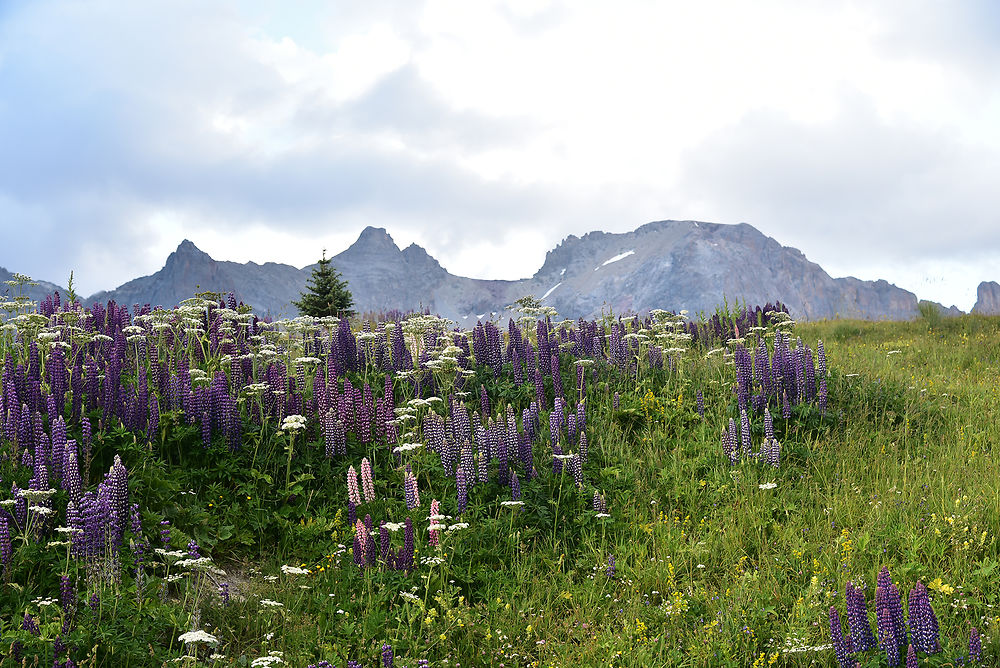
(486, 132)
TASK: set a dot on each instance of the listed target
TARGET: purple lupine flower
(610, 570)
(410, 489)
(773, 452)
(461, 489)
(384, 540)
(367, 484)
(896, 602)
(576, 469)
(484, 401)
(352, 513)
(371, 554)
(515, 486)
(72, 481)
(923, 622)
(841, 647)
(745, 444)
(557, 462)
(557, 384)
(224, 595)
(165, 534)
(30, 624)
(387, 659)
(885, 626)
(975, 646)
(583, 448)
(744, 375)
(153, 424)
(889, 618)
(911, 657)
(5, 547)
(857, 619)
(67, 595)
(768, 425)
(193, 550)
(353, 664)
(468, 464)
(600, 504)
(729, 442)
(353, 493)
(405, 561)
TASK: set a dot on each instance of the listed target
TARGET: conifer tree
(327, 293)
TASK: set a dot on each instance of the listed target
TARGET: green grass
(711, 568)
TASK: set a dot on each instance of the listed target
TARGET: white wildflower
(293, 423)
(198, 636)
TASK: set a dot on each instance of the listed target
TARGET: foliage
(662, 552)
(327, 293)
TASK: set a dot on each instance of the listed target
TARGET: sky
(865, 134)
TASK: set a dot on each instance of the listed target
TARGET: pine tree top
(327, 292)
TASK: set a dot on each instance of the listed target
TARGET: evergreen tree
(328, 293)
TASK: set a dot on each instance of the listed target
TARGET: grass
(713, 564)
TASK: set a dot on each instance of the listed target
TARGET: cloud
(863, 135)
(203, 125)
(854, 174)
(857, 192)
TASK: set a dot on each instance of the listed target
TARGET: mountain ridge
(667, 264)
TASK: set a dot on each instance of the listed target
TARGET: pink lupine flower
(435, 536)
(367, 486)
(352, 487)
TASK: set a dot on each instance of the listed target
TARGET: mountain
(36, 292)
(269, 287)
(669, 264)
(987, 298)
(694, 265)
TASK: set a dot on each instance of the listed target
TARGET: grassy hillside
(455, 499)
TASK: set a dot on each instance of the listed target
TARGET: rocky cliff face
(668, 264)
(695, 266)
(987, 298)
(269, 287)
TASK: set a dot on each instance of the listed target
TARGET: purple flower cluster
(891, 628)
(923, 621)
(841, 646)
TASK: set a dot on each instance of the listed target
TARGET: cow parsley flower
(293, 423)
(198, 636)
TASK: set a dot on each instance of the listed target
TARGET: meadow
(198, 487)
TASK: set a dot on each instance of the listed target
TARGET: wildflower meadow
(198, 486)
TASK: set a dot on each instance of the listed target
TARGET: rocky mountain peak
(187, 253)
(374, 241)
(987, 298)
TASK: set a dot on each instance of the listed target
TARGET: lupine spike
(975, 646)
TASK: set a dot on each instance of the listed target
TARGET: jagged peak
(374, 240)
(187, 250)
